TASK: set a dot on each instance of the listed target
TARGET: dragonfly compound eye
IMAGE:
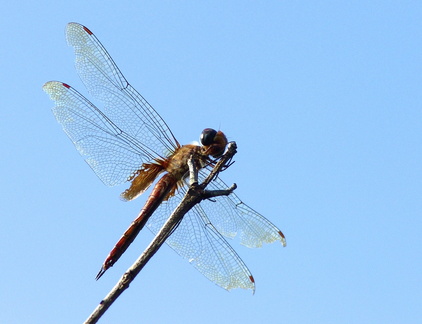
(208, 136)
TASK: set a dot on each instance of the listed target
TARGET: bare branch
(193, 172)
(207, 194)
(195, 194)
(221, 164)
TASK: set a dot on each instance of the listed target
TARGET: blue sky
(324, 101)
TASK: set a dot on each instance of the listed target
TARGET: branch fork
(195, 194)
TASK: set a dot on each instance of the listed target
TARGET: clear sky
(324, 101)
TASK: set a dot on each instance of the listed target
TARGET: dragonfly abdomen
(160, 191)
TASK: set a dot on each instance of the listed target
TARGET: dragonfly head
(214, 142)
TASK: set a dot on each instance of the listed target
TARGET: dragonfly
(128, 141)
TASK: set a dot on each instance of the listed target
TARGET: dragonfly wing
(129, 111)
(110, 152)
(233, 218)
(198, 241)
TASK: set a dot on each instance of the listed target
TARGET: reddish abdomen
(160, 191)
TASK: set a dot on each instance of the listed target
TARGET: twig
(195, 194)
(193, 171)
(221, 165)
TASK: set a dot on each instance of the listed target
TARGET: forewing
(128, 110)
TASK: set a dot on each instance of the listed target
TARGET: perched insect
(128, 141)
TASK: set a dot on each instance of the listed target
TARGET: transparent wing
(198, 241)
(122, 103)
(113, 154)
(233, 218)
